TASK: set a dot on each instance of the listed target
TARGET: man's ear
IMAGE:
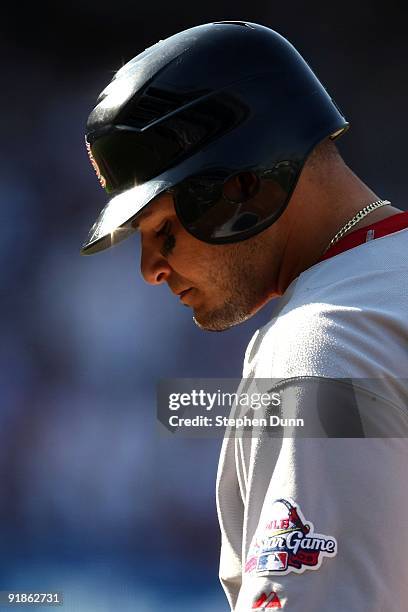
(241, 187)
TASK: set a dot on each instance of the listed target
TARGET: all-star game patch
(288, 543)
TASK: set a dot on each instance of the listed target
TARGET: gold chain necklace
(360, 215)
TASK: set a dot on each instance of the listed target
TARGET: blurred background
(93, 502)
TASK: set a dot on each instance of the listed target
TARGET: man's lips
(181, 293)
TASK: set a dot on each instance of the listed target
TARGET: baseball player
(218, 146)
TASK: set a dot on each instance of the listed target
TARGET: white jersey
(319, 524)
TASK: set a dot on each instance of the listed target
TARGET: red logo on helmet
(95, 166)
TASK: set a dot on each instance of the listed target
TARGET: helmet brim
(116, 220)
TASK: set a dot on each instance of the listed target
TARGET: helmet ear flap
(240, 187)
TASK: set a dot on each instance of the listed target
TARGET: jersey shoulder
(344, 317)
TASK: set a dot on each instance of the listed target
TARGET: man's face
(223, 284)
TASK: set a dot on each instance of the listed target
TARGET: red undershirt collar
(379, 229)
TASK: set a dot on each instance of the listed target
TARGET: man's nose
(153, 266)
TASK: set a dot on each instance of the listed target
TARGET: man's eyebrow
(136, 222)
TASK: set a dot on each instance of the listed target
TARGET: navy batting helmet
(196, 109)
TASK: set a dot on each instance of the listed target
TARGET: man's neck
(317, 212)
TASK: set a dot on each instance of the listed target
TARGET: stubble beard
(222, 318)
(241, 281)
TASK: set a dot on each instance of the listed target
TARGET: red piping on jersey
(379, 229)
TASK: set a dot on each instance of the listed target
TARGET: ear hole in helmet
(240, 187)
